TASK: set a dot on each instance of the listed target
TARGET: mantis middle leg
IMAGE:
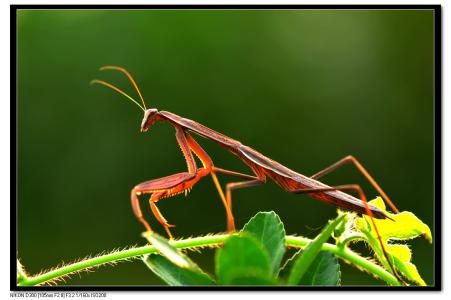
(208, 165)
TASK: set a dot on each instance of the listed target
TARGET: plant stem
(348, 255)
(117, 256)
(205, 241)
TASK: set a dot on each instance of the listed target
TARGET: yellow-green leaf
(410, 271)
(402, 226)
(402, 252)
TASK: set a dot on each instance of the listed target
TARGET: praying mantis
(261, 166)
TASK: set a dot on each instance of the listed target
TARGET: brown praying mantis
(261, 166)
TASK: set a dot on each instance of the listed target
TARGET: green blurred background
(304, 87)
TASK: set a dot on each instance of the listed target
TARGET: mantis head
(150, 115)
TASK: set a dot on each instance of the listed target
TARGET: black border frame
(437, 151)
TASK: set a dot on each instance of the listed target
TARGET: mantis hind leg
(352, 159)
(358, 165)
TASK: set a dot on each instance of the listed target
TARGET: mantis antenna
(117, 90)
(129, 77)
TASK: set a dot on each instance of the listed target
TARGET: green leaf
(172, 266)
(269, 231)
(324, 270)
(174, 275)
(403, 226)
(310, 252)
(242, 257)
(169, 251)
(252, 279)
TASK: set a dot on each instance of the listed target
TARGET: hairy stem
(348, 255)
(205, 241)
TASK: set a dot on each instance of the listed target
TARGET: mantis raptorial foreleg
(168, 186)
(161, 188)
(156, 212)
